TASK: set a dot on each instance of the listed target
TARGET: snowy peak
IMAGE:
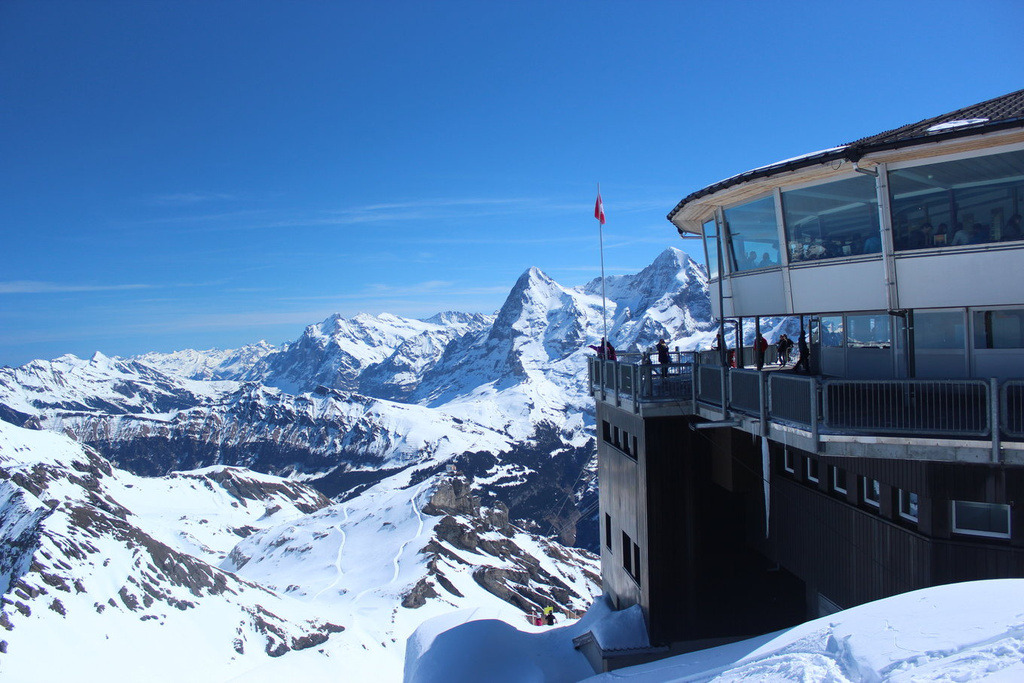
(211, 364)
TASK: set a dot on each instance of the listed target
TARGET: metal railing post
(993, 418)
(724, 385)
(814, 412)
(635, 387)
(694, 370)
(762, 390)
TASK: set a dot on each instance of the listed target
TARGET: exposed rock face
(453, 497)
(468, 535)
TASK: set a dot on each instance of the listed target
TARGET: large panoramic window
(939, 330)
(981, 519)
(831, 327)
(969, 201)
(832, 220)
(753, 235)
(999, 329)
(711, 247)
(868, 331)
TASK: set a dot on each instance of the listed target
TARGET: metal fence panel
(709, 384)
(790, 398)
(1012, 408)
(745, 391)
(908, 406)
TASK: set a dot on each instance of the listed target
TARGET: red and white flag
(599, 209)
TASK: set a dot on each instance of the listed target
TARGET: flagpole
(600, 232)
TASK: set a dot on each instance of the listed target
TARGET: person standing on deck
(760, 346)
(663, 358)
(804, 359)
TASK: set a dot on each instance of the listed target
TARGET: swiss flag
(599, 209)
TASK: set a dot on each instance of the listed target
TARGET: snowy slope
(126, 567)
(962, 632)
(82, 570)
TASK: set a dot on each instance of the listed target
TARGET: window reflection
(832, 331)
(711, 247)
(939, 330)
(753, 235)
(969, 201)
(999, 329)
(868, 331)
(832, 220)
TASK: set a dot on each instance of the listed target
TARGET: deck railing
(908, 405)
(965, 408)
(629, 379)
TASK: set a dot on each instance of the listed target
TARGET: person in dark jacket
(804, 361)
(663, 358)
(782, 346)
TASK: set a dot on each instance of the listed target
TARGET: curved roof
(999, 113)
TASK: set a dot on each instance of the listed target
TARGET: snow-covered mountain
(234, 570)
(454, 449)
(336, 352)
(212, 364)
(502, 394)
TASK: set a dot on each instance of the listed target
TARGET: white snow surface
(950, 125)
(126, 571)
(970, 631)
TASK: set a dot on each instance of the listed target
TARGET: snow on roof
(1005, 111)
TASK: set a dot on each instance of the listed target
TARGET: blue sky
(208, 174)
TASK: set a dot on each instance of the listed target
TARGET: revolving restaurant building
(734, 501)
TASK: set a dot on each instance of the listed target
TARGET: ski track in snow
(419, 531)
(340, 573)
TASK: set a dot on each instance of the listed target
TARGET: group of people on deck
(783, 347)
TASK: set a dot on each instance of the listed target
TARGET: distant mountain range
(376, 470)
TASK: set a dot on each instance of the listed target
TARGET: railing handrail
(967, 407)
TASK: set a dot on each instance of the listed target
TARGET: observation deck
(964, 420)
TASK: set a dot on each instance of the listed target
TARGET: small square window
(981, 519)
(908, 505)
(606, 431)
(872, 492)
(839, 480)
(812, 469)
(788, 459)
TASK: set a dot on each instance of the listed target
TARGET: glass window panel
(812, 469)
(832, 220)
(711, 247)
(982, 519)
(969, 201)
(908, 504)
(872, 491)
(839, 480)
(831, 331)
(999, 329)
(868, 331)
(753, 235)
(939, 330)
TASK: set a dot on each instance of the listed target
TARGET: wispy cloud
(189, 198)
(35, 287)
